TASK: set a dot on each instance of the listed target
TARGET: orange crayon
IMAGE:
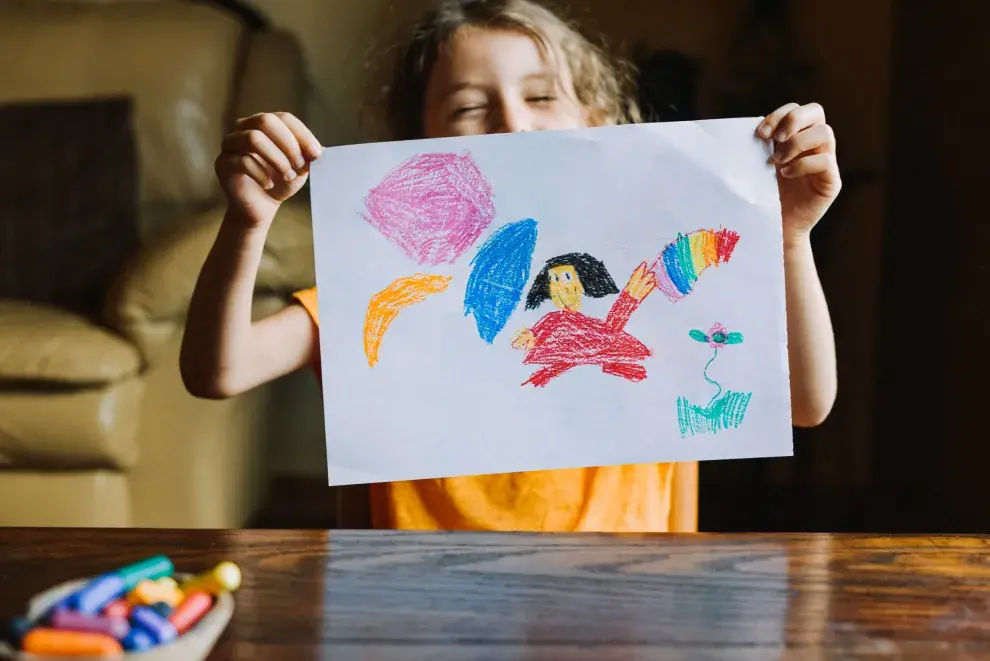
(55, 642)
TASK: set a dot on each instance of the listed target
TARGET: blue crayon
(160, 629)
(98, 593)
(162, 609)
(137, 640)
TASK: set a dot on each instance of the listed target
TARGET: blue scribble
(671, 260)
(499, 274)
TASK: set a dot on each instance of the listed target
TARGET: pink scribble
(664, 283)
(432, 206)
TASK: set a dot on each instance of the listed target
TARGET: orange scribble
(385, 305)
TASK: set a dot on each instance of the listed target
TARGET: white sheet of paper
(440, 400)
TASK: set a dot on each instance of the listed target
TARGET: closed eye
(460, 112)
(542, 99)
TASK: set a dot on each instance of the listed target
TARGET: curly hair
(603, 84)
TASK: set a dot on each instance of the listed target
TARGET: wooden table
(373, 595)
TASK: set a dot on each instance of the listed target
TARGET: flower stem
(714, 383)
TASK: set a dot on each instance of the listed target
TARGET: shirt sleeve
(621, 310)
(307, 298)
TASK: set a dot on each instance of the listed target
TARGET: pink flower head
(717, 336)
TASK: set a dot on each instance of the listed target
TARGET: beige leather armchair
(96, 428)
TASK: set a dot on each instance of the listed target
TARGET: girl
(490, 66)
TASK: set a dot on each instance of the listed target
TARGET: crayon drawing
(567, 338)
(432, 206)
(499, 276)
(384, 307)
(682, 262)
(519, 302)
(724, 410)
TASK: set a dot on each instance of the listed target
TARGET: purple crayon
(71, 621)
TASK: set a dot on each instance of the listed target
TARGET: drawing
(432, 206)
(681, 262)
(498, 277)
(567, 338)
(385, 305)
(723, 411)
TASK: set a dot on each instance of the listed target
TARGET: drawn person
(567, 337)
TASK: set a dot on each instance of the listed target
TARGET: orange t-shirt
(634, 498)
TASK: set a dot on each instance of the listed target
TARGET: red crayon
(190, 611)
(118, 609)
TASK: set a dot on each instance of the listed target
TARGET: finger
(279, 133)
(798, 120)
(258, 171)
(253, 141)
(310, 145)
(817, 139)
(246, 164)
(823, 165)
(771, 121)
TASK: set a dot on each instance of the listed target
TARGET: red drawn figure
(568, 338)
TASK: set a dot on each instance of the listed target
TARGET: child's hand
(641, 283)
(524, 340)
(264, 162)
(807, 170)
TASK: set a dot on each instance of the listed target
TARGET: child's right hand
(265, 161)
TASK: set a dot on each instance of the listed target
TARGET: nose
(514, 117)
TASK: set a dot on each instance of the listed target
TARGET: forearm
(811, 343)
(218, 338)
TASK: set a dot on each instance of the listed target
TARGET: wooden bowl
(194, 645)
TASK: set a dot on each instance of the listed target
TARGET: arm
(641, 283)
(810, 341)
(809, 181)
(264, 162)
(224, 353)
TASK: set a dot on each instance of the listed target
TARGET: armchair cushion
(149, 301)
(68, 202)
(177, 60)
(47, 345)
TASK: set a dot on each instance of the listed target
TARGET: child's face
(498, 81)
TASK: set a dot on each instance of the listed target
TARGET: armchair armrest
(149, 300)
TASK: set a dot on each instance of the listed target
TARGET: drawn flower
(717, 336)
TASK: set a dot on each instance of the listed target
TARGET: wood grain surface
(392, 595)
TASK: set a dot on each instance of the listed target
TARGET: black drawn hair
(594, 278)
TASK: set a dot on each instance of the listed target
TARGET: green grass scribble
(723, 413)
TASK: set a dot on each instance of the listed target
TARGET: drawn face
(498, 81)
(566, 289)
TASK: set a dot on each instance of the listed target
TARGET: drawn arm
(640, 284)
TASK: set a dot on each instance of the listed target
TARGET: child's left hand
(807, 170)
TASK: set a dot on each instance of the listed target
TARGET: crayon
(190, 611)
(66, 620)
(147, 593)
(118, 609)
(156, 626)
(54, 642)
(98, 593)
(149, 569)
(137, 640)
(225, 577)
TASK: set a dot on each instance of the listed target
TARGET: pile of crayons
(133, 609)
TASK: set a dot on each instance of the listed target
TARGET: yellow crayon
(225, 577)
(148, 593)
